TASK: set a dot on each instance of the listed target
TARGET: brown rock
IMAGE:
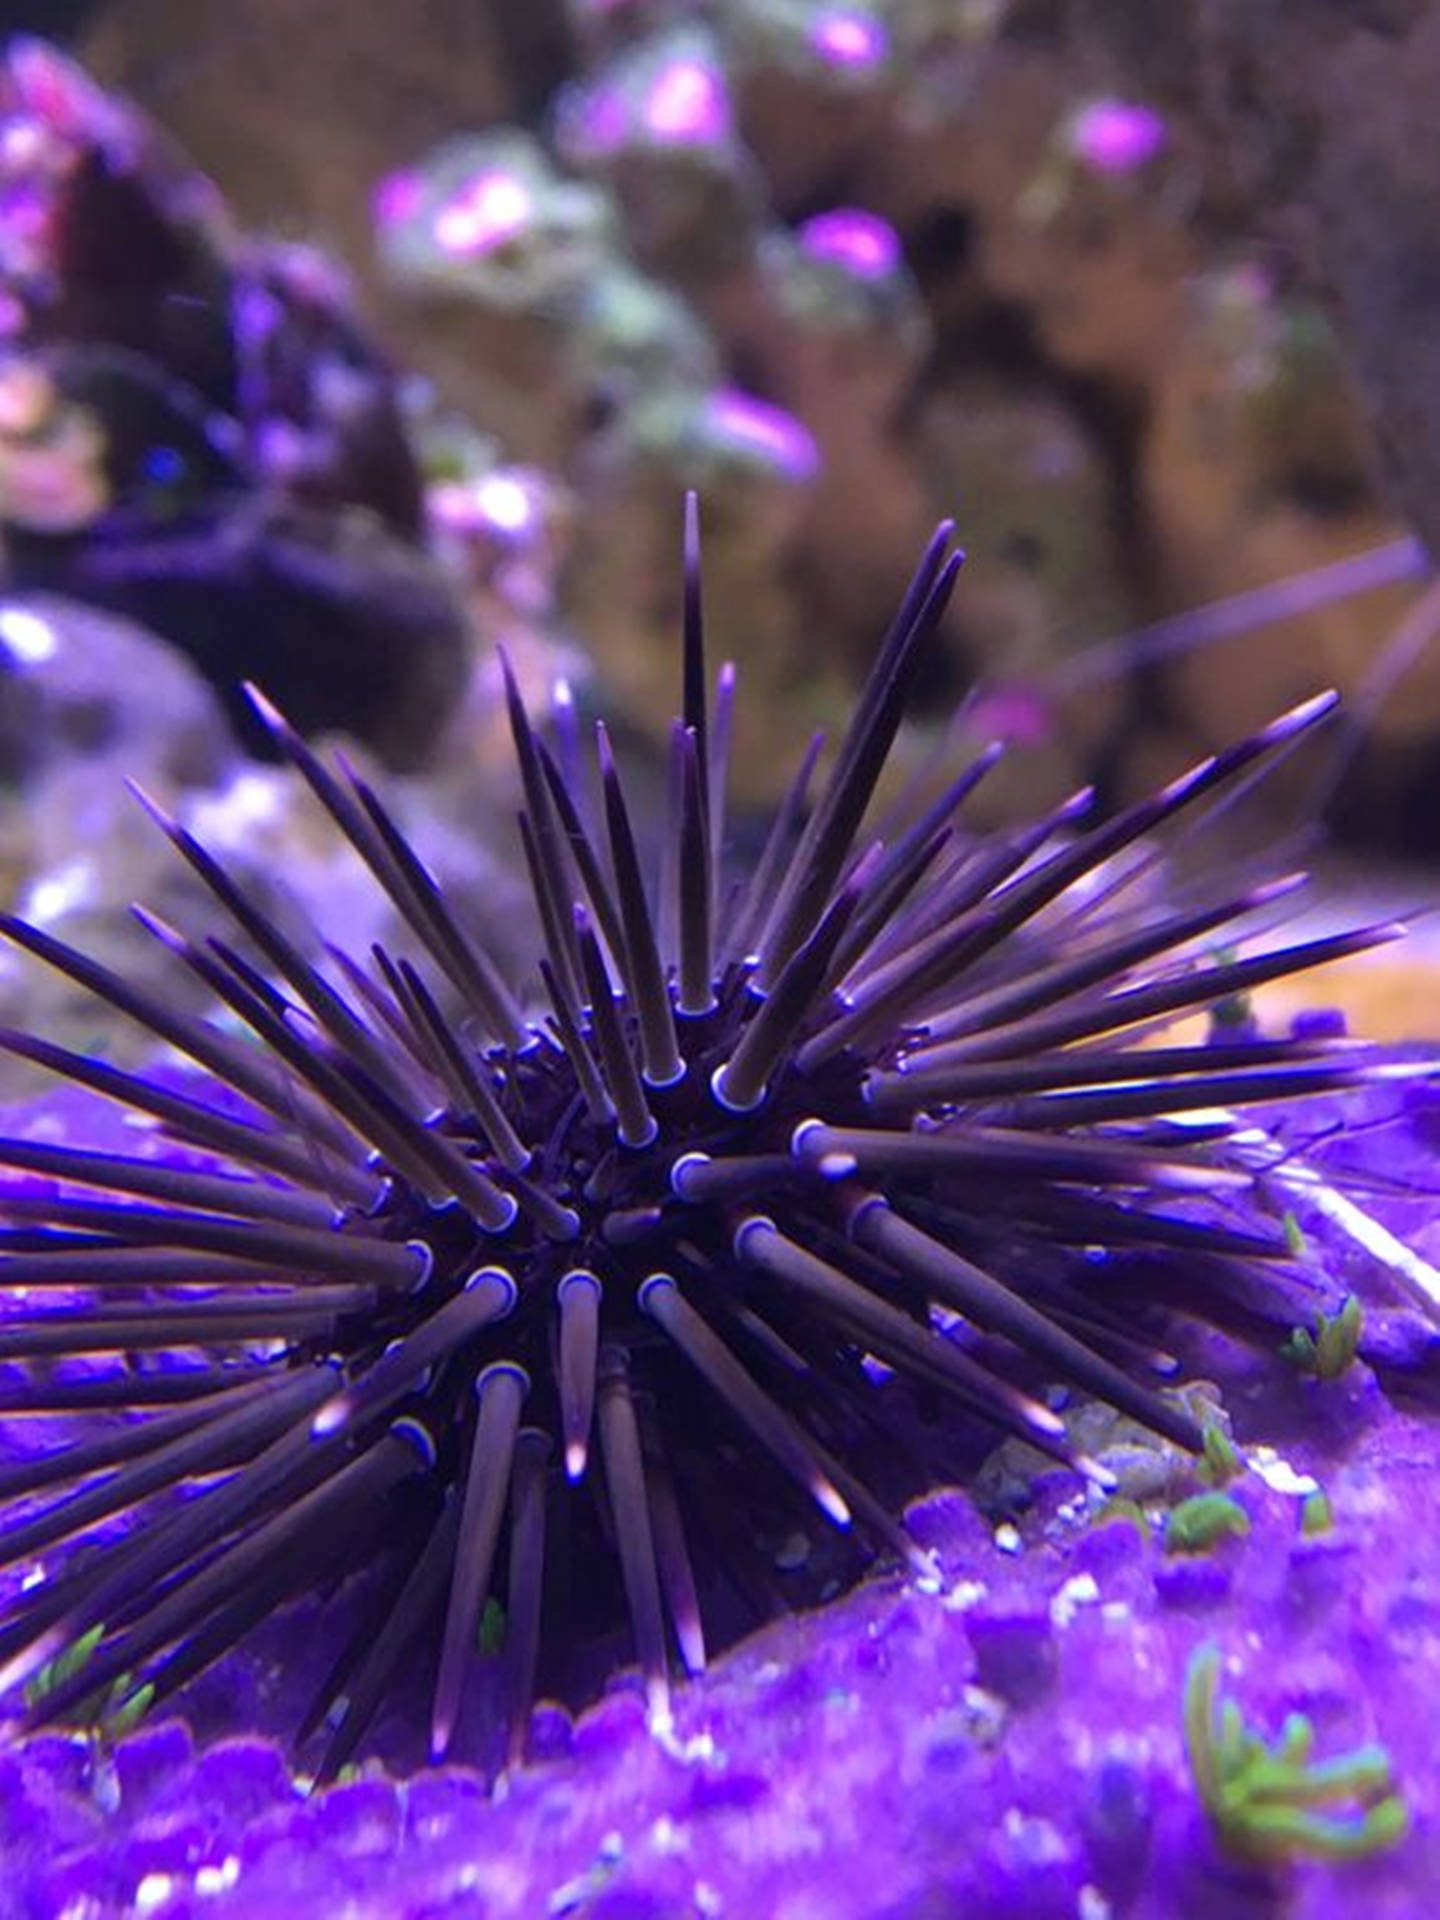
(1315, 121)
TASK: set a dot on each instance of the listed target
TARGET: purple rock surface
(1008, 1743)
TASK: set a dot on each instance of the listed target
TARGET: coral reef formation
(1279, 106)
(1130, 417)
(195, 434)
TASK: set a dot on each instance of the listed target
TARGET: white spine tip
(1307, 711)
(331, 1417)
(263, 705)
(830, 1502)
(1097, 1475)
(1042, 1420)
(29, 1660)
(659, 1715)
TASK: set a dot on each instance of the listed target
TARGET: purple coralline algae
(487, 217)
(861, 242)
(1009, 1740)
(1115, 136)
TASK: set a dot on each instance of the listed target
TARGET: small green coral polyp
(1222, 1462)
(1120, 1511)
(1316, 1516)
(1329, 1351)
(1273, 1804)
(66, 1664)
(1198, 1523)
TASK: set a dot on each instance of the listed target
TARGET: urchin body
(613, 1270)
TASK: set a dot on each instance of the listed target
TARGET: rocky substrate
(1008, 1740)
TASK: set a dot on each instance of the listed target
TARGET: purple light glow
(487, 212)
(848, 39)
(597, 123)
(1012, 713)
(861, 242)
(505, 502)
(56, 91)
(22, 146)
(397, 198)
(25, 212)
(688, 105)
(500, 504)
(1115, 136)
(759, 428)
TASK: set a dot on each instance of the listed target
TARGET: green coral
(1221, 1462)
(1125, 1512)
(1273, 1804)
(126, 1713)
(113, 1711)
(1328, 1352)
(1196, 1524)
(66, 1664)
(490, 1634)
(1316, 1516)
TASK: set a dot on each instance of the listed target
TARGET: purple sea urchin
(773, 1174)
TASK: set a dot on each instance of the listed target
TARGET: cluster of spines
(775, 1124)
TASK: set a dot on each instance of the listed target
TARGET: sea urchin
(466, 1291)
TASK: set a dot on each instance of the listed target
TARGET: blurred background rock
(1140, 295)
